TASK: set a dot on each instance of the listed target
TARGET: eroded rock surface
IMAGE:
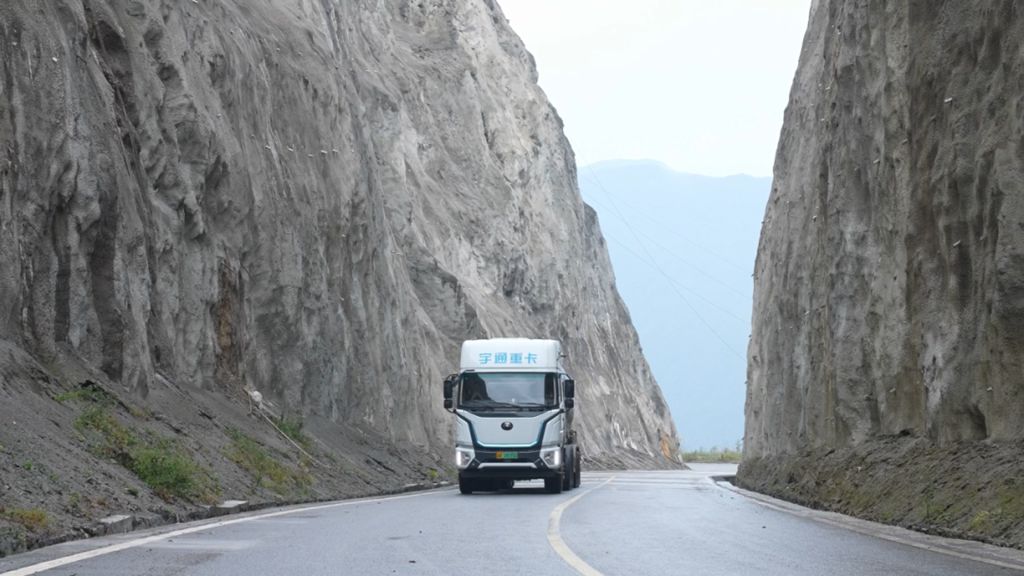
(889, 291)
(318, 200)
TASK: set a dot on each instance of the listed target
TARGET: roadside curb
(964, 549)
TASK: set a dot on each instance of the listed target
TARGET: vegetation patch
(106, 435)
(74, 504)
(33, 519)
(90, 394)
(292, 428)
(1003, 511)
(265, 470)
(169, 471)
(981, 523)
(714, 456)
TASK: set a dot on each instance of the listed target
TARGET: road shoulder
(965, 549)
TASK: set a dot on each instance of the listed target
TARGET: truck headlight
(552, 457)
(463, 457)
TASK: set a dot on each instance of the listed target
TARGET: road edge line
(1006, 557)
(555, 536)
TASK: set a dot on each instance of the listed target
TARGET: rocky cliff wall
(318, 200)
(888, 327)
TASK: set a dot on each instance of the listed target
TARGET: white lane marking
(868, 528)
(89, 554)
(205, 544)
(555, 537)
(681, 483)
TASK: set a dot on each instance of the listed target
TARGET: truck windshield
(508, 391)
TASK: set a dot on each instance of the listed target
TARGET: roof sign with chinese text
(511, 354)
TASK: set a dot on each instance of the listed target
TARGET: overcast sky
(699, 85)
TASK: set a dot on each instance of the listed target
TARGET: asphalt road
(616, 523)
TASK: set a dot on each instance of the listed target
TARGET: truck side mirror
(449, 386)
(570, 388)
(569, 403)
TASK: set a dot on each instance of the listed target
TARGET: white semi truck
(513, 402)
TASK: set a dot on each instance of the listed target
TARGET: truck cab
(514, 407)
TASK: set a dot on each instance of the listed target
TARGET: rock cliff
(318, 200)
(887, 350)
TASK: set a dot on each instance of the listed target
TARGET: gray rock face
(889, 292)
(315, 199)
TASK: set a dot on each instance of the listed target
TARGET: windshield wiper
(505, 406)
(493, 405)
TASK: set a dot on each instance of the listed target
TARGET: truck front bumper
(526, 465)
(509, 473)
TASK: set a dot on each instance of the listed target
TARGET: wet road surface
(616, 523)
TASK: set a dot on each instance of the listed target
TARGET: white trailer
(514, 406)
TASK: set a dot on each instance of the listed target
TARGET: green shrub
(292, 428)
(265, 470)
(115, 440)
(168, 472)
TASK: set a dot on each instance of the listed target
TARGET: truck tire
(578, 470)
(553, 485)
(466, 485)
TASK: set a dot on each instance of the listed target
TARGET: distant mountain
(683, 248)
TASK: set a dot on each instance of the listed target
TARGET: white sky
(700, 85)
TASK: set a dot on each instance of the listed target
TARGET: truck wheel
(553, 485)
(466, 485)
(578, 470)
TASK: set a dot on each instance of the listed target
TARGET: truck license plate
(507, 455)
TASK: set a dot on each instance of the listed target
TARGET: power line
(675, 284)
(674, 231)
(682, 297)
(698, 269)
